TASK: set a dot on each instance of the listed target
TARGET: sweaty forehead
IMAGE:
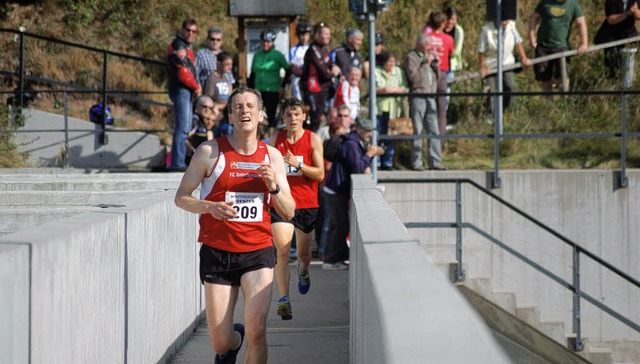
(245, 98)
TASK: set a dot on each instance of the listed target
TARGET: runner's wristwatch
(277, 190)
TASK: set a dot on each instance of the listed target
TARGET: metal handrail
(577, 250)
(102, 137)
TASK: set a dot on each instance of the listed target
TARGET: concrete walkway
(317, 334)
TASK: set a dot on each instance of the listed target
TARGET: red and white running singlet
(303, 189)
(235, 178)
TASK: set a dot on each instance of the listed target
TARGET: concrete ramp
(124, 150)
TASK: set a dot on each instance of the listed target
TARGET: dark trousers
(386, 160)
(337, 250)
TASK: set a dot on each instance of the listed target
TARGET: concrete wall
(584, 206)
(105, 287)
(403, 310)
(129, 150)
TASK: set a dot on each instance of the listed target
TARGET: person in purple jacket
(356, 153)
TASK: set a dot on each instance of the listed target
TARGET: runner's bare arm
(274, 175)
(200, 166)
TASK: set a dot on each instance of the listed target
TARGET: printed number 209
(246, 212)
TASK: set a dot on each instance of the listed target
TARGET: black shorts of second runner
(304, 219)
(545, 71)
(226, 268)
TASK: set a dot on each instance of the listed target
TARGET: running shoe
(304, 281)
(230, 356)
(284, 308)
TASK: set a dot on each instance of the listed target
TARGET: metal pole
(21, 71)
(577, 345)
(372, 86)
(65, 162)
(623, 143)
(459, 271)
(563, 74)
(497, 125)
(627, 58)
(103, 121)
(499, 75)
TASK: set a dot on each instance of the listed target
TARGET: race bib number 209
(248, 205)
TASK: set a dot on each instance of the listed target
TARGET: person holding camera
(422, 68)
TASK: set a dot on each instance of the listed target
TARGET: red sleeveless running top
(303, 189)
(235, 177)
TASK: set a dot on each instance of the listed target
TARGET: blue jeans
(183, 107)
(386, 160)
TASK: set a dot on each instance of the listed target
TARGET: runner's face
(294, 118)
(245, 112)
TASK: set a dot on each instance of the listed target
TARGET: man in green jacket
(265, 76)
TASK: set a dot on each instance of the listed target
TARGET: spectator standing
(620, 23)
(488, 58)
(265, 76)
(296, 57)
(218, 86)
(555, 18)
(339, 123)
(348, 92)
(317, 75)
(235, 227)
(302, 153)
(453, 29)
(443, 46)
(390, 79)
(206, 61)
(349, 53)
(354, 157)
(421, 73)
(379, 47)
(183, 86)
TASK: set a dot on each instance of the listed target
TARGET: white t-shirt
(488, 43)
(296, 58)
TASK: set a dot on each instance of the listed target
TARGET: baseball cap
(365, 124)
(379, 38)
(268, 35)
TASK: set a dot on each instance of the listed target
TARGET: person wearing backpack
(356, 153)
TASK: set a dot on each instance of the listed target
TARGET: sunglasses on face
(207, 107)
(194, 31)
(215, 39)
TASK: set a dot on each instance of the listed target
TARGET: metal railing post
(21, 71)
(623, 182)
(459, 270)
(578, 344)
(563, 74)
(103, 122)
(65, 162)
(627, 60)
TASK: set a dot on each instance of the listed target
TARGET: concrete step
(599, 355)
(522, 342)
(506, 300)
(554, 330)
(529, 314)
